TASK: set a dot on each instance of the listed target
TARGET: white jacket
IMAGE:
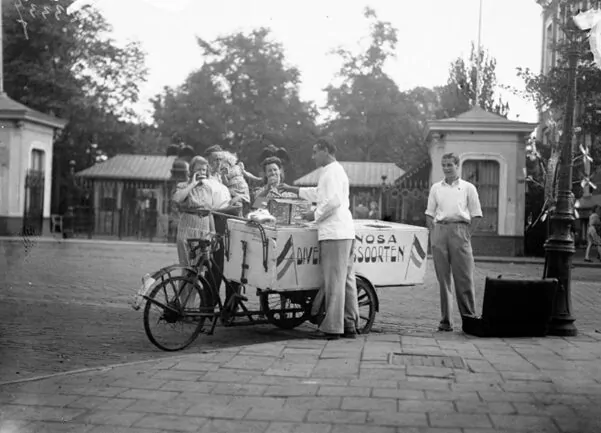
(332, 215)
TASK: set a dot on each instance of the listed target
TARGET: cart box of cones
(286, 257)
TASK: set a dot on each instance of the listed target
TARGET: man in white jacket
(336, 234)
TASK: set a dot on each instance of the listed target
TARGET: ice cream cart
(281, 262)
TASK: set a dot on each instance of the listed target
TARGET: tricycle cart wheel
(368, 301)
(176, 311)
(287, 310)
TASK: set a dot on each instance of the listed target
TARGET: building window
(549, 47)
(485, 176)
(37, 160)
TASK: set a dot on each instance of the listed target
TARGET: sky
(431, 35)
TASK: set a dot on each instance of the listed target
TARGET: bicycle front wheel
(176, 312)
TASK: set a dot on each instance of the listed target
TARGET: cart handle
(223, 213)
(264, 240)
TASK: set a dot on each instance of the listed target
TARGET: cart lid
(371, 225)
(385, 225)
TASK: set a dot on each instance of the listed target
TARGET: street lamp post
(559, 246)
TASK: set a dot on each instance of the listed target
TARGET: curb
(48, 239)
(101, 368)
(481, 259)
(528, 261)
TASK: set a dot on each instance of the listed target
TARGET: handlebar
(226, 212)
(223, 214)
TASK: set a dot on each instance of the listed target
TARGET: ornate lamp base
(558, 264)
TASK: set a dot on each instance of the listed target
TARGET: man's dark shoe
(350, 333)
(445, 327)
(316, 320)
(319, 335)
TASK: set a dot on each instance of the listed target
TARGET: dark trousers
(219, 256)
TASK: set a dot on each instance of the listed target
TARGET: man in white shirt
(336, 234)
(452, 215)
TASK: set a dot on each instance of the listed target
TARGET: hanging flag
(417, 255)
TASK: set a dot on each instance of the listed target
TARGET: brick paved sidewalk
(444, 383)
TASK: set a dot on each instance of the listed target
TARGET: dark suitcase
(514, 308)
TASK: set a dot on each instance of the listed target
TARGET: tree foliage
(69, 66)
(459, 94)
(243, 97)
(549, 92)
(371, 119)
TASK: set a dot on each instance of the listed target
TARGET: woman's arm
(183, 190)
(252, 176)
(248, 174)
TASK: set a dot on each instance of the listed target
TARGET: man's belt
(451, 222)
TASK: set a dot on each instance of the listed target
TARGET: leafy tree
(427, 103)
(68, 66)
(372, 120)
(459, 94)
(549, 91)
(243, 97)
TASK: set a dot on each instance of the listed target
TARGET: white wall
(6, 137)
(21, 141)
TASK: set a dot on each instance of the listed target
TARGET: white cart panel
(386, 253)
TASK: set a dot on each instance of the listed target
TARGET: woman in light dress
(200, 192)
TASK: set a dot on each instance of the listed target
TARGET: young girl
(232, 176)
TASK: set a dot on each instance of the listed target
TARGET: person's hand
(203, 212)
(236, 200)
(197, 179)
(309, 216)
(200, 211)
(284, 187)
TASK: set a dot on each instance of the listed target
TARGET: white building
(26, 144)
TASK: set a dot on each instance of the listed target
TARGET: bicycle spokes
(175, 313)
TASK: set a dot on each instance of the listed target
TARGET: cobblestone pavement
(380, 383)
(64, 306)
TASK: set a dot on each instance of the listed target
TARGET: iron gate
(127, 209)
(33, 213)
(406, 203)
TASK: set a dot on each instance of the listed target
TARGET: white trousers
(340, 288)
